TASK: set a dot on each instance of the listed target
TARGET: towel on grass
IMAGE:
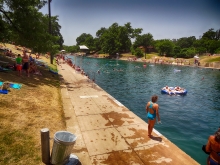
(15, 86)
(4, 91)
(12, 85)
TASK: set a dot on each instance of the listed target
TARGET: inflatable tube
(4, 91)
(174, 92)
(54, 72)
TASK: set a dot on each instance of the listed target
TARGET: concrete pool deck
(107, 132)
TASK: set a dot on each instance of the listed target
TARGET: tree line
(118, 39)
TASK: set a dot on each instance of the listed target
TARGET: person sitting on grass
(5, 86)
(31, 59)
(32, 68)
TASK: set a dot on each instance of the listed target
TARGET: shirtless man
(25, 60)
(167, 89)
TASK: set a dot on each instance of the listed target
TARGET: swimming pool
(186, 120)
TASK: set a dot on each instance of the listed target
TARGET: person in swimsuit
(152, 110)
(25, 61)
(213, 146)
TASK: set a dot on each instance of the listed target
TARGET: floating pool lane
(109, 132)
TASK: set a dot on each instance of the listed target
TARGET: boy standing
(18, 61)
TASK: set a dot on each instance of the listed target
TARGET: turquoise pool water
(186, 120)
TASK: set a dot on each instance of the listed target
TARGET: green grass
(215, 59)
(151, 55)
(24, 112)
(16, 147)
(127, 55)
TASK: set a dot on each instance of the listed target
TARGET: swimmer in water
(137, 67)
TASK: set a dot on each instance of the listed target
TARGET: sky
(164, 19)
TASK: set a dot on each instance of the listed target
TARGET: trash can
(62, 146)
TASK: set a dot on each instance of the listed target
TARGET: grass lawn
(212, 59)
(24, 112)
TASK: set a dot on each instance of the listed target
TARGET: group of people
(9, 53)
(212, 147)
(60, 58)
(174, 90)
(79, 69)
(26, 63)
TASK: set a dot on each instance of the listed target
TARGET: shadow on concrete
(159, 139)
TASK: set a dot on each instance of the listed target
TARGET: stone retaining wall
(212, 64)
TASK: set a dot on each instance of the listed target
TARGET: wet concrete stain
(152, 155)
(117, 118)
(118, 158)
(139, 136)
(67, 118)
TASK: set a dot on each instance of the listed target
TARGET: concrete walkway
(107, 132)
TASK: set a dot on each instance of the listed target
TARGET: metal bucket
(62, 147)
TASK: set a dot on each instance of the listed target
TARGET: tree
(164, 47)
(55, 31)
(217, 34)
(176, 51)
(213, 46)
(211, 35)
(185, 42)
(138, 52)
(71, 49)
(144, 40)
(81, 40)
(26, 26)
(117, 39)
(100, 32)
(187, 52)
